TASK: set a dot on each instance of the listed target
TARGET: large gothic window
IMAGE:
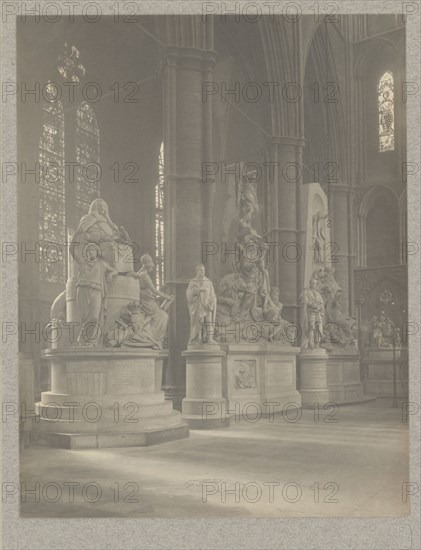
(159, 220)
(87, 158)
(84, 140)
(51, 191)
(386, 102)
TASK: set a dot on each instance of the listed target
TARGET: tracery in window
(88, 170)
(385, 100)
(159, 221)
(51, 190)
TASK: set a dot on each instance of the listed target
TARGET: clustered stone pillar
(188, 62)
(343, 258)
(285, 222)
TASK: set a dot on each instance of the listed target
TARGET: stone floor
(352, 467)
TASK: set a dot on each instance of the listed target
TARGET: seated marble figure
(155, 312)
(245, 299)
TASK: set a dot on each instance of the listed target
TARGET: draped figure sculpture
(95, 274)
(148, 299)
(92, 247)
(201, 299)
(319, 235)
(313, 315)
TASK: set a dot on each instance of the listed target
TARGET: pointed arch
(377, 198)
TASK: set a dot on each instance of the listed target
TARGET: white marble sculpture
(201, 299)
(313, 316)
(149, 296)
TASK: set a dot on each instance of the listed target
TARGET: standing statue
(313, 315)
(97, 227)
(201, 299)
(92, 247)
(319, 235)
(148, 295)
(339, 329)
(249, 205)
(95, 274)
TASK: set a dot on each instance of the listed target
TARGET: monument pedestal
(313, 377)
(343, 377)
(204, 407)
(379, 372)
(259, 378)
(105, 397)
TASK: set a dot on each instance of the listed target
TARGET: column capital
(189, 57)
(288, 141)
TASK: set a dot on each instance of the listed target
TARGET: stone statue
(245, 298)
(95, 274)
(201, 299)
(148, 299)
(92, 246)
(249, 206)
(241, 294)
(97, 227)
(313, 315)
(383, 332)
(339, 330)
(132, 329)
(319, 235)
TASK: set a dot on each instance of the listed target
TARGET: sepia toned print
(213, 255)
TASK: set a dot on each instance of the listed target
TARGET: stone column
(187, 63)
(285, 219)
(341, 236)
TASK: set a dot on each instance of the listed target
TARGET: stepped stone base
(104, 397)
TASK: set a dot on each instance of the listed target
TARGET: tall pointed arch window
(159, 220)
(386, 104)
(51, 190)
(79, 127)
(88, 171)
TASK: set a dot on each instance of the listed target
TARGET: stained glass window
(159, 221)
(88, 171)
(51, 193)
(53, 189)
(386, 113)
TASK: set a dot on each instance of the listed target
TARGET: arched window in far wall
(386, 104)
(51, 150)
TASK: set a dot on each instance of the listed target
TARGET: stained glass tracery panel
(386, 112)
(88, 170)
(51, 191)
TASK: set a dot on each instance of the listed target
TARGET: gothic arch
(367, 204)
